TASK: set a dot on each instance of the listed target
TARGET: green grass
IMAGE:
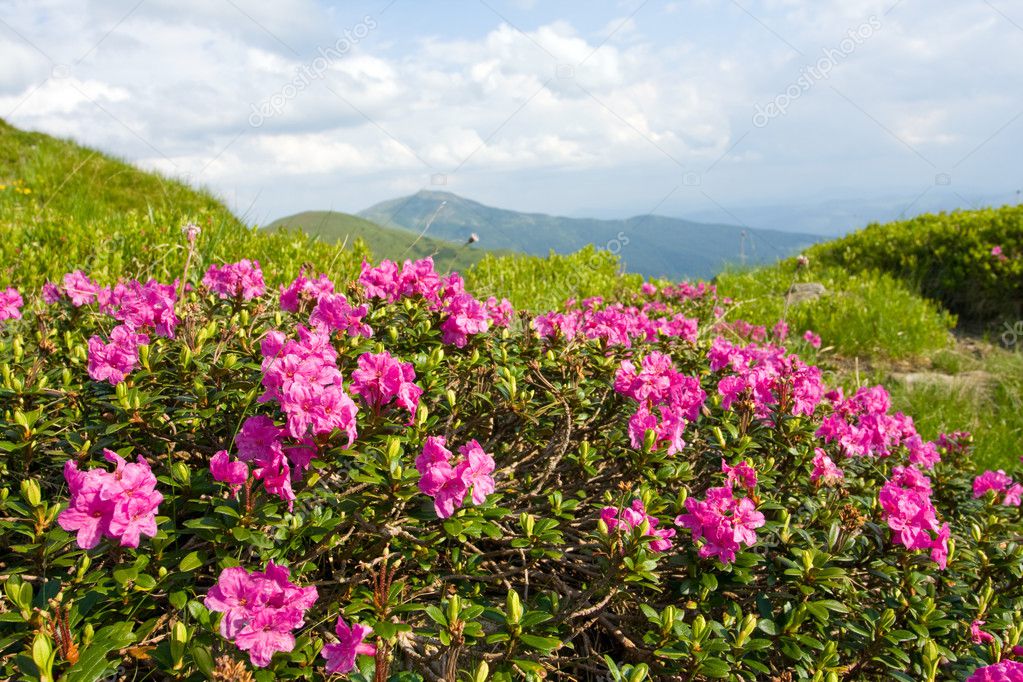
(65, 207)
(867, 315)
(384, 242)
(540, 284)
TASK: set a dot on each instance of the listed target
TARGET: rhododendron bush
(391, 479)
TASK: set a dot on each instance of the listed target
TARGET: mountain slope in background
(383, 242)
(655, 246)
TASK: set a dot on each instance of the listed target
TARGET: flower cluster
(275, 461)
(724, 521)
(999, 482)
(334, 313)
(351, 642)
(862, 427)
(115, 360)
(141, 309)
(907, 509)
(824, 469)
(635, 517)
(261, 609)
(812, 338)
(447, 482)
(463, 315)
(10, 304)
(302, 376)
(765, 377)
(120, 505)
(1006, 671)
(243, 280)
(616, 324)
(382, 378)
(304, 290)
(660, 390)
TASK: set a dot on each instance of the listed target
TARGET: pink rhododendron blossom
(997, 481)
(10, 304)
(243, 280)
(996, 251)
(723, 522)
(51, 293)
(351, 642)
(824, 469)
(908, 511)
(501, 312)
(447, 481)
(862, 427)
(661, 391)
(811, 338)
(742, 474)
(465, 316)
(303, 290)
(635, 516)
(120, 505)
(333, 312)
(780, 331)
(977, 635)
(1006, 671)
(115, 360)
(302, 376)
(80, 289)
(381, 379)
(261, 610)
(275, 460)
(142, 307)
(224, 470)
(767, 376)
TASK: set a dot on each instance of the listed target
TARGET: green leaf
(92, 663)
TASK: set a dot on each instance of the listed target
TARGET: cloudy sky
(707, 108)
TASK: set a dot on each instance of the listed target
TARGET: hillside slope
(652, 245)
(384, 242)
(64, 207)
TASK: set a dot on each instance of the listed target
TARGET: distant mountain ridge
(652, 245)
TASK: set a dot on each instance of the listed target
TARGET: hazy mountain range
(653, 245)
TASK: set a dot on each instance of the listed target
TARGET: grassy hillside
(654, 246)
(384, 242)
(970, 261)
(64, 206)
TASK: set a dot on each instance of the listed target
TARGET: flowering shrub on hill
(390, 479)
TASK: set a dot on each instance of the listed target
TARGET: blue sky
(762, 112)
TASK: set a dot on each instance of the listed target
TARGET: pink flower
(351, 642)
(742, 473)
(260, 610)
(998, 481)
(114, 361)
(10, 304)
(996, 251)
(475, 471)
(723, 522)
(824, 469)
(1014, 495)
(780, 331)
(634, 517)
(381, 378)
(243, 280)
(1006, 671)
(120, 505)
(333, 312)
(465, 316)
(80, 288)
(501, 313)
(977, 635)
(224, 470)
(51, 293)
(302, 290)
(448, 482)
(812, 339)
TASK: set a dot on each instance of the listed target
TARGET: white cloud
(177, 85)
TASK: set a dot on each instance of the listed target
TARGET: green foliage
(525, 586)
(946, 257)
(66, 207)
(867, 315)
(540, 284)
